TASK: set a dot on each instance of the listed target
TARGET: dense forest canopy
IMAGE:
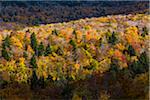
(79, 50)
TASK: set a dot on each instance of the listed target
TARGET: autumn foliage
(81, 62)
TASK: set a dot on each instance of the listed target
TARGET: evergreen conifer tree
(34, 42)
(33, 62)
(48, 50)
(112, 39)
(34, 80)
(131, 50)
(40, 49)
(74, 32)
(5, 46)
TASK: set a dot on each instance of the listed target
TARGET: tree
(33, 62)
(34, 42)
(112, 39)
(5, 54)
(136, 68)
(140, 66)
(48, 50)
(144, 60)
(34, 80)
(131, 50)
(6, 42)
(40, 49)
(75, 33)
(114, 68)
(5, 45)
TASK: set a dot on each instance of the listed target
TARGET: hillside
(92, 58)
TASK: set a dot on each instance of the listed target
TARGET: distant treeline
(72, 3)
(43, 12)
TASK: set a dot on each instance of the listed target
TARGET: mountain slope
(76, 59)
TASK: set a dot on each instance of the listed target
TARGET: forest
(95, 58)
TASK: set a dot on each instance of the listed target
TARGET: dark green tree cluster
(5, 48)
(48, 50)
(35, 82)
(34, 43)
(112, 39)
(39, 49)
(137, 67)
(33, 62)
(140, 66)
(34, 78)
(131, 51)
